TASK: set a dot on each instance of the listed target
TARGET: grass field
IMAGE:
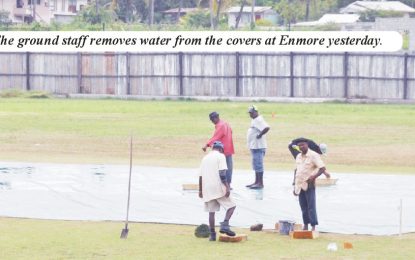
(361, 138)
(40, 239)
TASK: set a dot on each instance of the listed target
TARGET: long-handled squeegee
(124, 232)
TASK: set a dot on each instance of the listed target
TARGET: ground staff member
(257, 144)
(318, 148)
(309, 168)
(215, 190)
(223, 133)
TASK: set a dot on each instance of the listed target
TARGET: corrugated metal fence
(324, 75)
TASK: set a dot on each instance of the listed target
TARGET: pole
(400, 219)
(292, 74)
(238, 75)
(79, 61)
(405, 76)
(345, 74)
(181, 87)
(128, 73)
(129, 180)
(28, 71)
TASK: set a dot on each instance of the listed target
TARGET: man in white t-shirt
(257, 144)
(215, 190)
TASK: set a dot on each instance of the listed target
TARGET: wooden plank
(326, 182)
(237, 238)
(304, 234)
(190, 186)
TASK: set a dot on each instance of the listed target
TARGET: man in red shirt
(223, 133)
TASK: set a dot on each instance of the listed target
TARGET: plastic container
(286, 226)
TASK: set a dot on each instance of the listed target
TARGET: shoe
(225, 229)
(257, 187)
(256, 181)
(212, 236)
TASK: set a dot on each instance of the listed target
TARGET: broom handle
(129, 180)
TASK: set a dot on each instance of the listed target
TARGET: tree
(4, 18)
(124, 10)
(95, 14)
(290, 11)
(198, 19)
(238, 18)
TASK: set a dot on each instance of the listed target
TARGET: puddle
(359, 203)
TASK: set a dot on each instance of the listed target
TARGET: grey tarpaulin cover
(359, 203)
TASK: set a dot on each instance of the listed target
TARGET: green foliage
(265, 2)
(263, 22)
(198, 19)
(202, 231)
(320, 7)
(405, 43)
(90, 15)
(17, 93)
(370, 16)
(344, 3)
(290, 11)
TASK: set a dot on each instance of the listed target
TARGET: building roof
(248, 9)
(363, 6)
(332, 18)
(182, 10)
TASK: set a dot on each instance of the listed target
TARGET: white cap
(323, 148)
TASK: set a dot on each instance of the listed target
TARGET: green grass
(360, 137)
(40, 239)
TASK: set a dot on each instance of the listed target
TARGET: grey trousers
(229, 163)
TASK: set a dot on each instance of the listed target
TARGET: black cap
(301, 140)
(213, 115)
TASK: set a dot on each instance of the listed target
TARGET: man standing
(223, 133)
(309, 168)
(257, 145)
(215, 190)
(318, 148)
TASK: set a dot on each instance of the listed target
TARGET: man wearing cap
(215, 190)
(318, 148)
(257, 144)
(223, 133)
(309, 168)
(293, 147)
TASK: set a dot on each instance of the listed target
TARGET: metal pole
(405, 76)
(238, 75)
(28, 71)
(292, 74)
(181, 88)
(346, 74)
